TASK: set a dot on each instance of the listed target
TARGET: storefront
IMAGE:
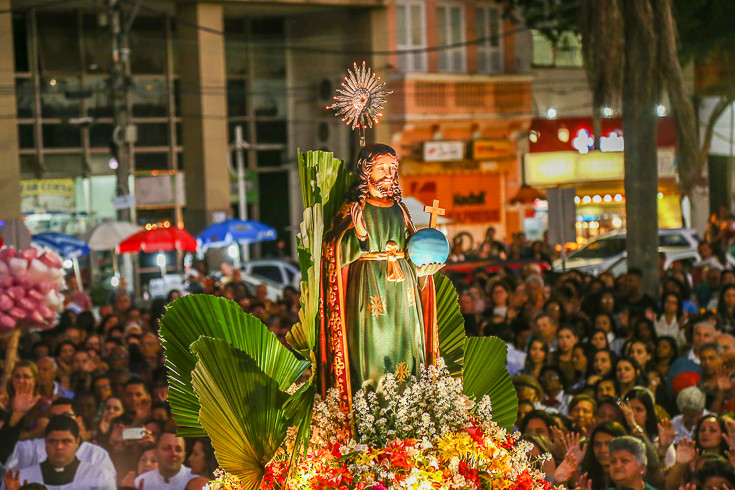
(561, 155)
(472, 190)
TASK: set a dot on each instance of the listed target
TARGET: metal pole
(240, 146)
(77, 273)
(119, 88)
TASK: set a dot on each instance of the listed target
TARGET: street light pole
(240, 146)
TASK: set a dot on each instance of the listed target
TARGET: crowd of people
(85, 405)
(622, 389)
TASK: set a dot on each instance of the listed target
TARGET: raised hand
(724, 383)
(584, 482)
(666, 433)
(129, 480)
(628, 413)
(12, 481)
(24, 401)
(686, 452)
(566, 469)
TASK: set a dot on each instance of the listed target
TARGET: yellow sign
(567, 167)
(56, 187)
(47, 195)
(550, 168)
(488, 149)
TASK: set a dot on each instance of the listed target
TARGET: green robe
(385, 332)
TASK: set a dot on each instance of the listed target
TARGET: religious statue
(378, 314)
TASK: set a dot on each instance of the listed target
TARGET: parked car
(686, 257)
(606, 250)
(276, 271)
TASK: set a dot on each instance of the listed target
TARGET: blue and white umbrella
(67, 246)
(239, 231)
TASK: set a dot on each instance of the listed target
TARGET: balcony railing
(433, 94)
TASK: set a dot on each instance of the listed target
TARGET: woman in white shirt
(667, 324)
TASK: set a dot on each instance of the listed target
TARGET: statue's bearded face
(382, 177)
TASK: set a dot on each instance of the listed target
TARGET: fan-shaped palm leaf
(242, 409)
(485, 374)
(450, 323)
(195, 315)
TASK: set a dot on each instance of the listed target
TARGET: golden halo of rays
(361, 99)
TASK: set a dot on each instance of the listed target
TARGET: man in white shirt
(62, 470)
(32, 451)
(171, 473)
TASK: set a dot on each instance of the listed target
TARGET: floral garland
(426, 436)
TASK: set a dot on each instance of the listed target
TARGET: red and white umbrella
(158, 240)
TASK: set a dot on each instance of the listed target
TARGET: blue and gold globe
(428, 246)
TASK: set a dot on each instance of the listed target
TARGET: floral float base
(428, 436)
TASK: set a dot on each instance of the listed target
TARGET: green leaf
(196, 315)
(242, 409)
(450, 323)
(485, 374)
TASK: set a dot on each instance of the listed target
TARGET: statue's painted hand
(428, 269)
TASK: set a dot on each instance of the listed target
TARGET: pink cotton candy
(15, 292)
(7, 254)
(7, 321)
(4, 269)
(18, 266)
(5, 302)
(27, 304)
(24, 281)
(37, 270)
(17, 313)
(50, 259)
(45, 286)
(36, 317)
(29, 253)
(5, 281)
(35, 295)
(46, 312)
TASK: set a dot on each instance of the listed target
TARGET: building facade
(195, 72)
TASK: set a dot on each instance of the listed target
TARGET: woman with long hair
(537, 356)
(499, 302)
(201, 459)
(640, 413)
(599, 340)
(628, 374)
(669, 321)
(708, 432)
(597, 458)
(602, 365)
(667, 350)
(566, 338)
(726, 309)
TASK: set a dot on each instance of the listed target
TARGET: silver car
(603, 252)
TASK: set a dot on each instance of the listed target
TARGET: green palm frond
(196, 315)
(485, 374)
(324, 181)
(450, 323)
(243, 409)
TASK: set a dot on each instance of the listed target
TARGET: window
(411, 32)
(270, 272)
(567, 52)
(450, 31)
(490, 40)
